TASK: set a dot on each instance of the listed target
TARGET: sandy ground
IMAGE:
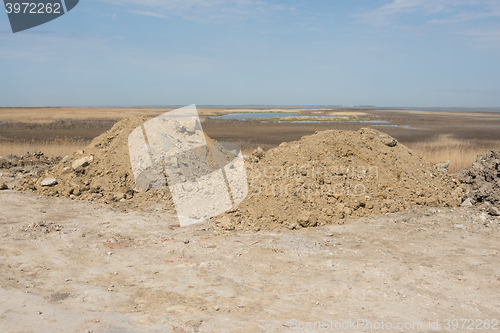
(87, 268)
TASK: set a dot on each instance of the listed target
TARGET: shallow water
(277, 115)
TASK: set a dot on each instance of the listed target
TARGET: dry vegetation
(48, 115)
(50, 148)
(461, 153)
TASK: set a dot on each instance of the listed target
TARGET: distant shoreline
(271, 108)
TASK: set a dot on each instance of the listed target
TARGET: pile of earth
(330, 176)
(483, 183)
(36, 159)
(101, 172)
(324, 178)
(29, 164)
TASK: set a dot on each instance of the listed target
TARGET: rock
(126, 192)
(467, 203)
(390, 142)
(3, 186)
(225, 223)
(49, 181)
(259, 153)
(494, 211)
(77, 191)
(432, 201)
(82, 162)
(443, 167)
(483, 180)
(191, 127)
(66, 170)
(307, 219)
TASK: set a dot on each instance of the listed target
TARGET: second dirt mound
(334, 175)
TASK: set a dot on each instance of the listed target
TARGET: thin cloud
(474, 20)
(205, 10)
(433, 11)
(112, 16)
(148, 13)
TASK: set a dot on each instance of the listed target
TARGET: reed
(50, 148)
(461, 153)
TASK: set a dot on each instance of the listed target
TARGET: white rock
(49, 181)
(82, 162)
(66, 170)
(467, 203)
(459, 226)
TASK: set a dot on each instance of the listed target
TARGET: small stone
(443, 167)
(390, 142)
(82, 162)
(3, 186)
(49, 181)
(216, 308)
(467, 203)
(225, 223)
(494, 211)
(66, 170)
(307, 219)
(432, 201)
(77, 191)
(259, 153)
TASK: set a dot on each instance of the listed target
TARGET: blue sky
(415, 53)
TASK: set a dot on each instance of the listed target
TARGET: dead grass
(50, 148)
(461, 153)
(48, 115)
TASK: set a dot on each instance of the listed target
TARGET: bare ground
(88, 268)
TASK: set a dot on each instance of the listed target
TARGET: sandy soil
(87, 268)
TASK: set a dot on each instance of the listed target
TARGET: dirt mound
(29, 159)
(322, 179)
(102, 172)
(330, 176)
(483, 182)
(14, 170)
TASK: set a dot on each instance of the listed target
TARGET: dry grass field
(48, 115)
(461, 153)
(50, 148)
